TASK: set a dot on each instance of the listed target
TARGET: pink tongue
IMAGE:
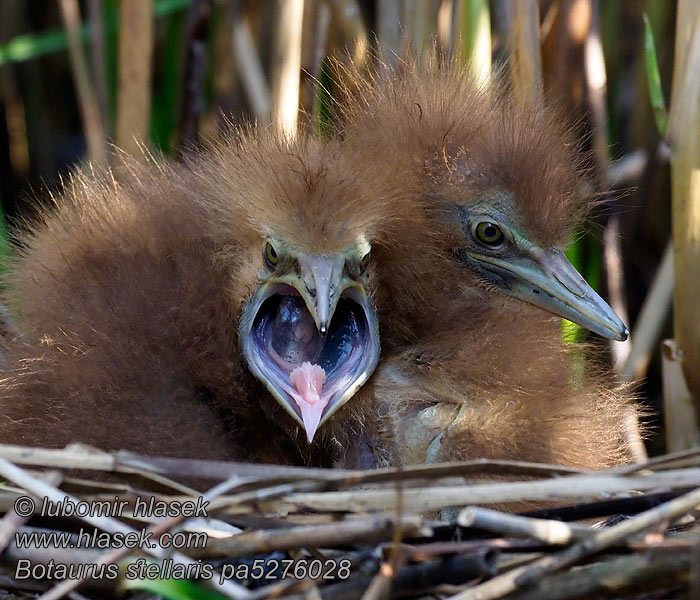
(308, 381)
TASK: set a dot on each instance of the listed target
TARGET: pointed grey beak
(547, 279)
(322, 279)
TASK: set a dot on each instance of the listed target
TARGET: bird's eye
(365, 261)
(489, 233)
(271, 255)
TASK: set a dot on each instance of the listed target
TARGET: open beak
(547, 279)
(311, 336)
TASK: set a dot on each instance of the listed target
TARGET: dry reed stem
(652, 316)
(97, 58)
(251, 72)
(72, 457)
(675, 460)
(525, 61)
(286, 65)
(134, 96)
(87, 102)
(348, 16)
(596, 84)
(83, 457)
(684, 123)
(388, 16)
(419, 21)
(439, 497)
(11, 522)
(320, 43)
(597, 88)
(444, 27)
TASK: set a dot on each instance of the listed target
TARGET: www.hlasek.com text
(101, 540)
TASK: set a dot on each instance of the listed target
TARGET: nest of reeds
(74, 519)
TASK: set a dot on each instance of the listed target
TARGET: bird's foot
(434, 448)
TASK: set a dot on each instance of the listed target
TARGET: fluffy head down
(302, 190)
(469, 140)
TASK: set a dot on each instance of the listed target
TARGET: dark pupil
(490, 231)
(272, 252)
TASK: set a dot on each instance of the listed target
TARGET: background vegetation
(77, 75)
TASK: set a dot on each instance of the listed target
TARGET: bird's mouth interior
(286, 351)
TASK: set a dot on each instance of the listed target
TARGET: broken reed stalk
(286, 65)
(684, 124)
(134, 95)
(87, 101)
(680, 416)
(373, 529)
(546, 531)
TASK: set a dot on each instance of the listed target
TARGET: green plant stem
(34, 45)
(656, 93)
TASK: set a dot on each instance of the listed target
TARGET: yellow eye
(489, 233)
(271, 255)
(365, 261)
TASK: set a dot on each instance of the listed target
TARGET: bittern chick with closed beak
(476, 365)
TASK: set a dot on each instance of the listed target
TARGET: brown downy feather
(117, 298)
(459, 343)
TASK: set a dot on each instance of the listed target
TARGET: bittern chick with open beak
(146, 300)
(308, 328)
(477, 367)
